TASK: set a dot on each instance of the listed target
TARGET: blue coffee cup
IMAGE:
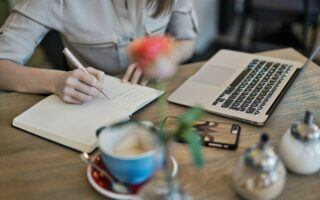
(130, 169)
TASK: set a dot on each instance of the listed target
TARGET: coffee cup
(130, 151)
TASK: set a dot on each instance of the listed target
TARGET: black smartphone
(212, 134)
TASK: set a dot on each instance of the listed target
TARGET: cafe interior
(279, 159)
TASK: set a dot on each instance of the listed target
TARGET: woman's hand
(78, 86)
(134, 75)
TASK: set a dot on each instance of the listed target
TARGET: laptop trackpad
(214, 75)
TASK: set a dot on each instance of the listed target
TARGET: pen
(78, 64)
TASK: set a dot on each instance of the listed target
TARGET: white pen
(78, 64)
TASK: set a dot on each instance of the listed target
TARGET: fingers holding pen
(84, 77)
(92, 79)
(82, 87)
(75, 91)
(82, 83)
(72, 95)
(97, 73)
(71, 100)
(78, 86)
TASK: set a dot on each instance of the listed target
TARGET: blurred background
(245, 25)
(257, 25)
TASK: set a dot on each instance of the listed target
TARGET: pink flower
(152, 54)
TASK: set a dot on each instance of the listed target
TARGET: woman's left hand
(134, 75)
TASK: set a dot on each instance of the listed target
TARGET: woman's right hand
(77, 86)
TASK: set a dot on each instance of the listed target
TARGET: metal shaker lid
(306, 130)
(261, 156)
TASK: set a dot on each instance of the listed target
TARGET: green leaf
(192, 115)
(186, 133)
(195, 146)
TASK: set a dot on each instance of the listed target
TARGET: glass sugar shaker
(300, 146)
(260, 174)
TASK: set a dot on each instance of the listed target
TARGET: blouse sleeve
(24, 29)
(183, 22)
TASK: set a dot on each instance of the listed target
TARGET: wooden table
(34, 168)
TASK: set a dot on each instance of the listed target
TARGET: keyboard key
(245, 104)
(251, 110)
(227, 103)
(245, 93)
(234, 108)
(215, 103)
(254, 61)
(235, 104)
(255, 104)
(220, 100)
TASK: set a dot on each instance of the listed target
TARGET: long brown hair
(161, 6)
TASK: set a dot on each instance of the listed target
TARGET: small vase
(163, 186)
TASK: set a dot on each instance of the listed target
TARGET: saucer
(102, 185)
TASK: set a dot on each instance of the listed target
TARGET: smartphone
(212, 134)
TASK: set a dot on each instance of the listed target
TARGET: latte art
(130, 146)
(136, 142)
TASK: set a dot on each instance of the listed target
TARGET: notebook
(75, 125)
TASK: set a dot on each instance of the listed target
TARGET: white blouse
(97, 31)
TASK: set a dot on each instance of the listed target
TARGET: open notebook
(75, 125)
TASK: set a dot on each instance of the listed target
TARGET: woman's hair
(161, 6)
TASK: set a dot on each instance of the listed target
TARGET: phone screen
(218, 134)
(212, 134)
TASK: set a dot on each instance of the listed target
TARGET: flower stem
(163, 111)
(163, 107)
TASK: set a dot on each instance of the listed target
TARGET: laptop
(238, 85)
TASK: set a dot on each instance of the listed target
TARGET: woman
(98, 32)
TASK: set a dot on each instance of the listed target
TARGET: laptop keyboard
(252, 89)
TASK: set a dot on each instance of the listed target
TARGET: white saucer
(114, 195)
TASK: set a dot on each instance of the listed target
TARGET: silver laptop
(239, 85)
